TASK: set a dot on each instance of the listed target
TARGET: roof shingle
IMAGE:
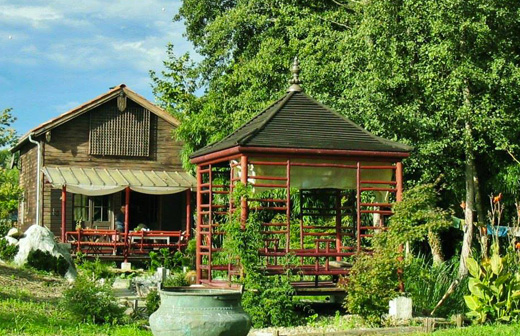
(299, 121)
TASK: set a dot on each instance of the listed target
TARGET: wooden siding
(52, 210)
(69, 146)
(27, 208)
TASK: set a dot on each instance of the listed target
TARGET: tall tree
(9, 189)
(443, 76)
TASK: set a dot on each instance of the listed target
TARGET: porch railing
(97, 241)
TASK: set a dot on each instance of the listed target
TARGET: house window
(80, 209)
(89, 210)
(116, 133)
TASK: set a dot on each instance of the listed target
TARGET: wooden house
(78, 169)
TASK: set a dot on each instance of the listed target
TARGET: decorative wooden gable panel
(116, 133)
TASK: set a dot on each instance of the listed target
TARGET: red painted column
(399, 181)
(127, 221)
(399, 198)
(188, 214)
(243, 178)
(63, 213)
(358, 206)
(199, 223)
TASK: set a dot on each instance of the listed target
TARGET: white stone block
(126, 266)
(401, 308)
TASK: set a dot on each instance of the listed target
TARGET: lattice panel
(115, 133)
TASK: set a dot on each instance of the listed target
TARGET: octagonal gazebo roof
(297, 121)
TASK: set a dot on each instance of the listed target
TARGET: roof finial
(295, 81)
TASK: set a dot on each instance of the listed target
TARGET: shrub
(176, 280)
(90, 301)
(372, 284)
(164, 258)
(5, 226)
(96, 269)
(153, 301)
(373, 280)
(7, 251)
(44, 261)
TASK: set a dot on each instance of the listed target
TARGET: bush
(44, 261)
(372, 284)
(269, 301)
(96, 269)
(90, 301)
(7, 251)
(164, 258)
(176, 280)
(153, 301)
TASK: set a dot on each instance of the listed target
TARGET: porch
(122, 214)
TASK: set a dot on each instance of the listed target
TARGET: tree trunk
(470, 176)
(434, 240)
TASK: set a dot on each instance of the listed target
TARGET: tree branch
(512, 156)
(334, 22)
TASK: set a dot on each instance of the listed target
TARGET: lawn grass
(29, 305)
(487, 330)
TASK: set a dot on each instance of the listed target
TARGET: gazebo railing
(326, 246)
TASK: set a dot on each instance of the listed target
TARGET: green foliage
(401, 69)
(176, 280)
(427, 283)
(44, 261)
(153, 301)
(88, 300)
(417, 214)
(269, 300)
(7, 251)
(495, 287)
(7, 133)
(96, 269)
(372, 284)
(165, 258)
(10, 192)
(373, 279)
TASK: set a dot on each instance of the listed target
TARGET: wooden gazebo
(343, 180)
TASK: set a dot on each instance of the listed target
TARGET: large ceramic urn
(199, 311)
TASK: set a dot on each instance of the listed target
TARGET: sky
(58, 54)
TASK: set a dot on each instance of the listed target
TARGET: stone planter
(199, 311)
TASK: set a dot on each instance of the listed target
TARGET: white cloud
(36, 16)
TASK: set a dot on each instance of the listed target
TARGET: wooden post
(210, 221)
(243, 178)
(288, 207)
(127, 221)
(63, 213)
(338, 224)
(399, 198)
(358, 205)
(199, 229)
(188, 214)
(399, 181)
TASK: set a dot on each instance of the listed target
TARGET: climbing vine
(269, 300)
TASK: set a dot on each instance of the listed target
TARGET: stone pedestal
(401, 308)
(126, 266)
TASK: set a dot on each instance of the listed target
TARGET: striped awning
(103, 181)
